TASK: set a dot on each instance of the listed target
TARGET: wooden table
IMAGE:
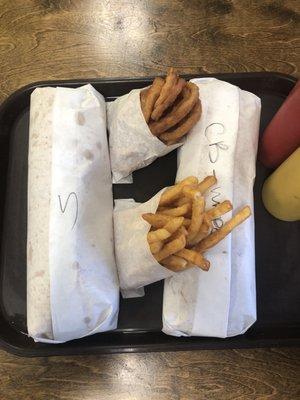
(52, 39)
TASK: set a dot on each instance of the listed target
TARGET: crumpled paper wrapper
(222, 301)
(132, 145)
(72, 284)
(136, 265)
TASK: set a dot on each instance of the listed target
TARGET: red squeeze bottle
(282, 136)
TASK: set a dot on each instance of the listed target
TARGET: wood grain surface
(52, 39)
(271, 374)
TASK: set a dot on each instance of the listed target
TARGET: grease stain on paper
(88, 154)
(80, 119)
(39, 274)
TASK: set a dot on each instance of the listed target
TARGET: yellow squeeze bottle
(281, 191)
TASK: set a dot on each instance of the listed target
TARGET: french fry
(197, 217)
(189, 213)
(171, 248)
(177, 211)
(190, 191)
(174, 192)
(155, 247)
(219, 210)
(156, 220)
(169, 195)
(149, 97)
(170, 82)
(174, 224)
(207, 183)
(159, 234)
(203, 231)
(181, 231)
(185, 125)
(171, 107)
(190, 96)
(221, 233)
(165, 101)
(162, 208)
(186, 222)
(175, 263)
(190, 180)
(182, 200)
(195, 258)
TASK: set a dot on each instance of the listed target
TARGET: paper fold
(136, 265)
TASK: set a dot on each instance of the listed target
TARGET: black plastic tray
(139, 328)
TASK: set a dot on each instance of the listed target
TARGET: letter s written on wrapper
(72, 285)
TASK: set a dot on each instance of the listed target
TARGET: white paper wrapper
(222, 301)
(72, 285)
(132, 145)
(136, 265)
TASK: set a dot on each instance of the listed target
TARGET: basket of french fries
(149, 123)
(181, 229)
(171, 107)
(178, 233)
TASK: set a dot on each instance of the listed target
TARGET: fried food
(171, 107)
(175, 263)
(155, 247)
(164, 102)
(143, 97)
(180, 230)
(190, 96)
(182, 200)
(170, 82)
(171, 248)
(203, 231)
(159, 234)
(174, 224)
(190, 191)
(197, 217)
(195, 258)
(156, 220)
(149, 97)
(177, 211)
(184, 126)
(221, 233)
(190, 180)
(219, 210)
(207, 182)
(170, 195)
(173, 192)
